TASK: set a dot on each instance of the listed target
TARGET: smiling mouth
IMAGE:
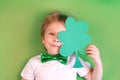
(56, 46)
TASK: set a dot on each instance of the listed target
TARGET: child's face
(50, 39)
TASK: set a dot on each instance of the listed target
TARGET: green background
(20, 31)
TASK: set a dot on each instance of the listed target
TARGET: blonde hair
(52, 17)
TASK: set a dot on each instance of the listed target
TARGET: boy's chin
(54, 53)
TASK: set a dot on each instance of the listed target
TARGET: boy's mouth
(55, 46)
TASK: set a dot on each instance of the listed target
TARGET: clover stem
(77, 61)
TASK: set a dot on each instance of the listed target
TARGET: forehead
(56, 26)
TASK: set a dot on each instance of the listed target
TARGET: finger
(92, 56)
(90, 52)
(91, 46)
(92, 49)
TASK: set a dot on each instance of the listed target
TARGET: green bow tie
(47, 57)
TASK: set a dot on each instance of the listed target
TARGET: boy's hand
(93, 52)
(97, 72)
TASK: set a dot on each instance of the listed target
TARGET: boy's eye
(51, 34)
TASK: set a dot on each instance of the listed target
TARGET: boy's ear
(42, 40)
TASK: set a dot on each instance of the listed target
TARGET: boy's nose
(56, 40)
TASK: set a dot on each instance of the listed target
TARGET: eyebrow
(50, 30)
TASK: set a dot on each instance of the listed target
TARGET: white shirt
(53, 70)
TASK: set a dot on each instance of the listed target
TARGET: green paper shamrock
(75, 39)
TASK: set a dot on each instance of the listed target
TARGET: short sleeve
(28, 71)
(82, 71)
(85, 69)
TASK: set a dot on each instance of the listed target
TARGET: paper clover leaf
(75, 39)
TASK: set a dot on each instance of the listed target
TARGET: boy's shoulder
(35, 59)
